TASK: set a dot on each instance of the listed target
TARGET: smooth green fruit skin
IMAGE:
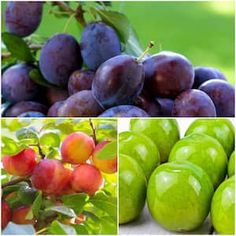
(163, 132)
(179, 195)
(231, 164)
(222, 207)
(204, 151)
(221, 129)
(142, 149)
(132, 189)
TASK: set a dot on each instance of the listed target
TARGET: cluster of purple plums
(94, 77)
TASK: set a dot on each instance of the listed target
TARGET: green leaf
(63, 210)
(107, 226)
(37, 204)
(10, 189)
(50, 138)
(11, 147)
(37, 77)
(75, 201)
(106, 203)
(29, 133)
(108, 152)
(58, 228)
(81, 229)
(17, 47)
(27, 194)
(15, 229)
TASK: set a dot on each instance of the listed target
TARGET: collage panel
(59, 176)
(176, 176)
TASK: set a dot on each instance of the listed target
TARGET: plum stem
(94, 131)
(140, 58)
(15, 181)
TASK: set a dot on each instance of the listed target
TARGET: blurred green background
(202, 31)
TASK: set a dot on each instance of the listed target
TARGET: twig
(41, 231)
(15, 181)
(94, 131)
(39, 149)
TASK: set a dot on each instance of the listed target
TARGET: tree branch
(15, 181)
(94, 131)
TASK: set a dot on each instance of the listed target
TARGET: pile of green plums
(184, 179)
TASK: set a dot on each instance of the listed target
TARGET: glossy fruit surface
(223, 207)
(77, 148)
(223, 96)
(132, 189)
(141, 148)
(166, 106)
(19, 216)
(167, 74)
(54, 95)
(5, 214)
(221, 129)
(204, 151)
(179, 196)
(193, 103)
(86, 178)
(21, 164)
(231, 164)
(106, 166)
(163, 132)
(32, 114)
(118, 81)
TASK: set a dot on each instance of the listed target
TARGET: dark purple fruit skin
(53, 110)
(99, 42)
(192, 103)
(118, 81)
(25, 106)
(166, 106)
(223, 96)
(124, 111)
(148, 104)
(167, 74)
(81, 104)
(17, 85)
(32, 114)
(54, 95)
(23, 18)
(80, 80)
(203, 74)
(60, 56)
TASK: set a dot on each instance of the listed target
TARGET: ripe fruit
(17, 85)
(19, 216)
(231, 167)
(80, 80)
(203, 74)
(106, 166)
(192, 103)
(53, 110)
(124, 111)
(54, 95)
(132, 189)
(23, 18)
(86, 178)
(99, 42)
(60, 56)
(77, 148)
(163, 132)
(167, 74)
(80, 104)
(204, 151)
(223, 206)
(222, 94)
(179, 196)
(166, 106)
(142, 149)
(5, 214)
(118, 81)
(32, 114)
(21, 164)
(220, 129)
(50, 176)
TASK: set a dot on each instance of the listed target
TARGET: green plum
(204, 151)
(163, 132)
(222, 207)
(179, 195)
(132, 189)
(231, 167)
(142, 149)
(221, 129)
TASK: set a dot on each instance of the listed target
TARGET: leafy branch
(16, 181)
